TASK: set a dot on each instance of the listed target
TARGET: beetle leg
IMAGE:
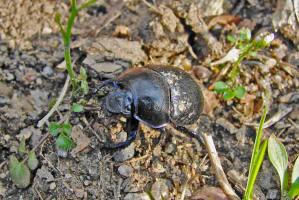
(132, 125)
(131, 137)
(191, 133)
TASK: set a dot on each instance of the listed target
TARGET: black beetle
(156, 96)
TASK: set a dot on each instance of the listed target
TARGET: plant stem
(67, 41)
(236, 64)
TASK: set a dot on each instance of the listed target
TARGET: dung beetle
(156, 96)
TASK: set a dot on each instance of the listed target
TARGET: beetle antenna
(108, 82)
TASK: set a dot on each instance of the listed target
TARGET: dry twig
(220, 175)
(57, 103)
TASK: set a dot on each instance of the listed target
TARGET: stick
(220, 175)
(57, 103)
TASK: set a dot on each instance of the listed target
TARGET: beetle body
(157, 95)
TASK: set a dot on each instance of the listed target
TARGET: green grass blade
(255, 158)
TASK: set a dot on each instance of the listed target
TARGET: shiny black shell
(163, 94)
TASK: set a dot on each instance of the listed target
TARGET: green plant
(247, 46)
(256, 158)
(66, 34)
(151, 197)
(19, 171)
(279, 158)
(63, 131)
(229, 92)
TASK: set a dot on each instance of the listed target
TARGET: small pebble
(6, 138)
(137, 196)
(158, 167)
(170, 148)
(94, 171)
(9, 76)
(67, 176)
(125, 170)
(61, 152)
(47, 71)
(125, 154)
(272, 194)
(39, 81)
(2, 175)
(160, 189)
(43, 172)
(52, 186)
(86, 183)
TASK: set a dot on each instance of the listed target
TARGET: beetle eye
(127, 110)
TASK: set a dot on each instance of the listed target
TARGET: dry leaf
(224, 20)
(81, 140)
(209, 193)
(211, 102)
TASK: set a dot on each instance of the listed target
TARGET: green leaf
(220, 86)
(67, 128)
(294, 191)
(260, 44)
(252, 53)
(64, 142)
(32, 160)
(231, 38)
(19, 173)
(84, 86)
(86, 4)
(240, 92)
(77, 108)
(57, 18)
(295, 172)
(242, 36)
(228, 94)
(54, 128)
(22, 147)
(279, 159)
(242, 47)
(52, 103)
(221, 66)
(83, 74)
(150, 195)
(256, 158)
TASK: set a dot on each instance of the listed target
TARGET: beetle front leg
(132, 125)
(130, 138)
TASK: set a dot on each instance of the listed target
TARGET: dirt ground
(108, 38)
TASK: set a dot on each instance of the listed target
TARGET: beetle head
(119, 102)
